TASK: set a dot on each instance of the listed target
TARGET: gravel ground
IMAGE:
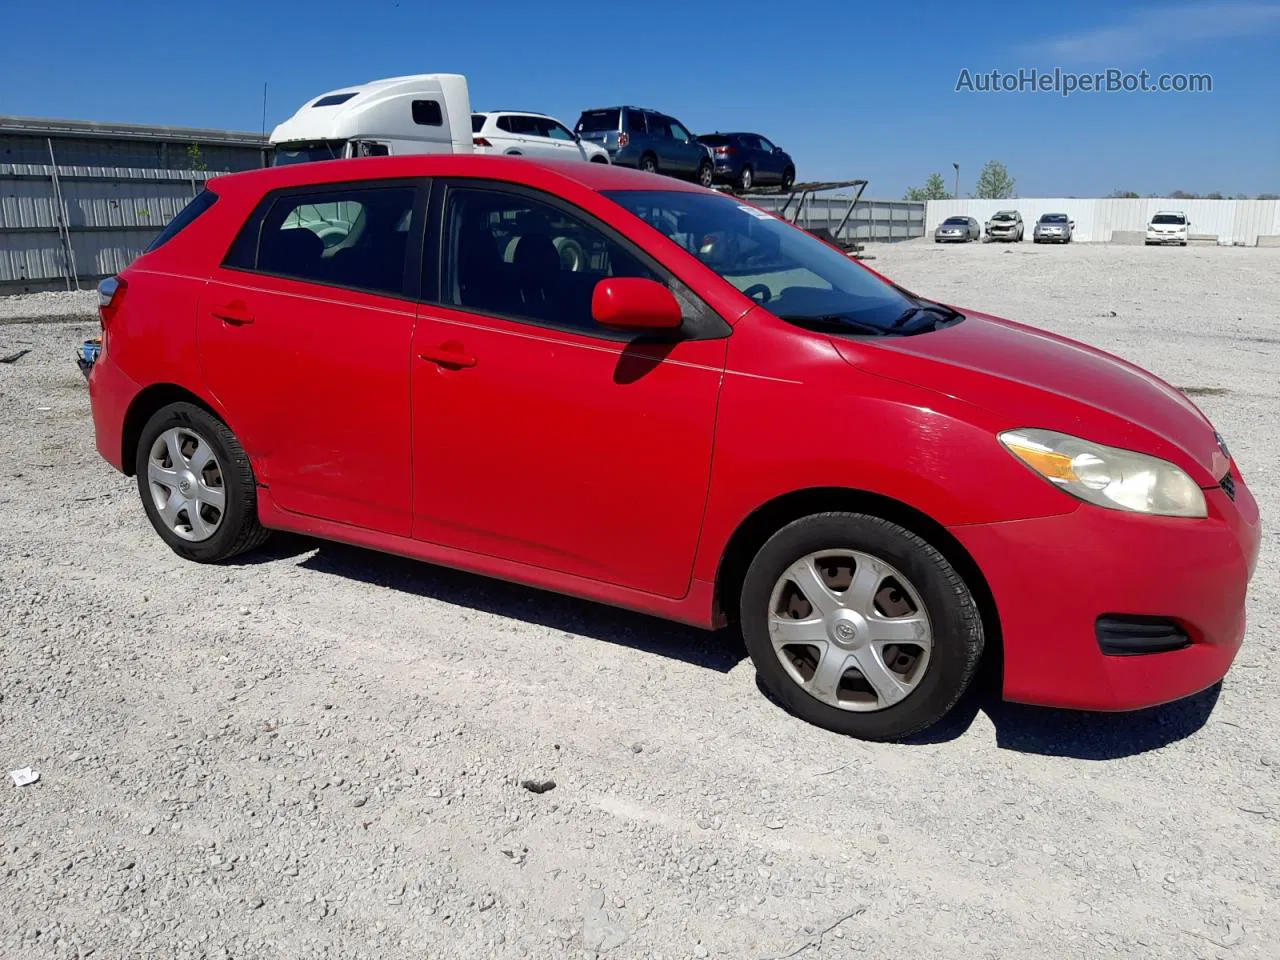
(318, 752)
(47, 306)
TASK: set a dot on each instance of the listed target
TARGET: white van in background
(1168, 226)
(424, 113)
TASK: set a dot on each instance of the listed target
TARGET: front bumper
(1052, 578)
(1052, 237)
(1002, 234)
(1178, 238)
(951, 236)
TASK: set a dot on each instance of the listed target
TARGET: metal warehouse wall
(873, 221)
(1228, 222)
(115, 189)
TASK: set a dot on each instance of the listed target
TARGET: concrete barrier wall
(1226, 222)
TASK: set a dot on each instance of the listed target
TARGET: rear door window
(356, 237)
(638, 122)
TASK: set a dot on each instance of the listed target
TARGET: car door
(515, 134)
(560, 143)
(304, 338)
(771, 162)
(540, 437)
(691, 152)
(535, 143)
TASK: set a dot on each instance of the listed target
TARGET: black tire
(788, 178)
(598, 159)
(745, 177)
(649, 163)
(239, 529)
(706, 173)
(953, 615)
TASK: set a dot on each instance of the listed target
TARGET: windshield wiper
(934, 309)
(833, 322)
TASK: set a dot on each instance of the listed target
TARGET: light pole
(957, 166)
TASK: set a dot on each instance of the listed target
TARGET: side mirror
(632, 303)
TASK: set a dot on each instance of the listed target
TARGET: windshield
(792, 273)
(598, 121)
(287, 153)
(1003, 216)
(1169, 218)
(956, 222)
(1054, 218)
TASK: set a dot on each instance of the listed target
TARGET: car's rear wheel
(745, 178)
(197, 485)
(599, 159)
(859, 625)
(649, 163)
(705, 173)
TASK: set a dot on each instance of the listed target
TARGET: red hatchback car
(614, 385)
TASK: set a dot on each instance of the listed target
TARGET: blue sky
(852, 90)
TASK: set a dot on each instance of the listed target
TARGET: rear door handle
(448, 355)
(235, 313)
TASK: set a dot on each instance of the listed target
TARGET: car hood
(1034, 378)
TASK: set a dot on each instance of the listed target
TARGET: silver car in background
(1005, 225)
(1053, 228)
(957, 230)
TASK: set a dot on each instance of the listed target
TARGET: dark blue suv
(648, 140)
(748, 159)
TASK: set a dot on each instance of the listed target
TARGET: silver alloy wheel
(186, 484)
(705, 175)
(850, 629)
(746, 178)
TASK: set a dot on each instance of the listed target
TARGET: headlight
(1106, 476)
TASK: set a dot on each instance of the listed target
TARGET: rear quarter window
(186, 216)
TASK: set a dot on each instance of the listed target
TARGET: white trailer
(424, 113)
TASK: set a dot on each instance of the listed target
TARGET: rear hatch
(600, 127)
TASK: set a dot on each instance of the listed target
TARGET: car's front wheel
(197, 485)
(788, 178)
(746, 178)
(859, 625)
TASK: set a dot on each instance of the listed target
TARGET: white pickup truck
(424, 113)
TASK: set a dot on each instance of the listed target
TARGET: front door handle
(448, 355)
(236, 313)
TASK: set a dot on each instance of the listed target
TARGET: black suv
(648, 140)
(748, 159)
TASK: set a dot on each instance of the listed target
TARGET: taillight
(725, 151)
(480, 142)
(624, 139)
(110, 292)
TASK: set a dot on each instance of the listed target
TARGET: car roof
(523, 113)
(542, 173)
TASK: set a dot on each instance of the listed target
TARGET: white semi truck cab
(424, 113)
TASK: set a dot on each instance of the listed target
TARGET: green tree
(994, 182)
(1123, 195)
(1214, 196)
(934, 189)
(1268, 196)
(195, 159)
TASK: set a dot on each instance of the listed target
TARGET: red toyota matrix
(611, 384)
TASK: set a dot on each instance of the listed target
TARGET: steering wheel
(759, 291)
